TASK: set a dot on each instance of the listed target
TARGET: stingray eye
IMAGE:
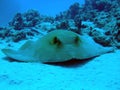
(56, 41)
(77, 40)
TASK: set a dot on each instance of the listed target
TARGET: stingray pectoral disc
(57, 46)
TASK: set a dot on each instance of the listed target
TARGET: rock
(46, 26)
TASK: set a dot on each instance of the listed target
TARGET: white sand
(100, 73)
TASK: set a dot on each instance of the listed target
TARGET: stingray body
(57, 46)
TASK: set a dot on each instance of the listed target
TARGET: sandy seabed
(100, 73)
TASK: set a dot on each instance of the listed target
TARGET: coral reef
(98, 18)
(103, 13)
(71, 13)
(10, 34)
(28, 19)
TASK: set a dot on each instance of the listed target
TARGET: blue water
(8, 8)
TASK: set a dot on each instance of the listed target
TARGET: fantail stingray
(57, 46)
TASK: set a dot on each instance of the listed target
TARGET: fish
(58, 46)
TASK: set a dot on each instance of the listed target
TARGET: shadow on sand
(73, 63)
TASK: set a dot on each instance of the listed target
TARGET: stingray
(57, 46)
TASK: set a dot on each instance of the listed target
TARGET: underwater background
(47, 7)
(91, 25)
